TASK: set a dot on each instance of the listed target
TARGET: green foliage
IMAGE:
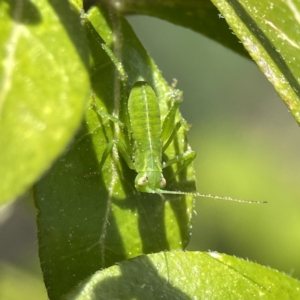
(90, 218)
(187, 275)
(43, 88)
(201, 16)
(269, 33)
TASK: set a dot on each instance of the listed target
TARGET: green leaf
(201, 16)
(90, 218)
(270, 34)
(43, 87)
(187, 275)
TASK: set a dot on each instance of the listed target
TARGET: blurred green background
(247, 147)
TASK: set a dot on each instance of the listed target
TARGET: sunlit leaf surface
(43, 88)
(187, 275)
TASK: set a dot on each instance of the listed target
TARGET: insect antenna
(211, 196)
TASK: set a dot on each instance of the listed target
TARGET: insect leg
(185, 159)
(124, 152)
(168, 128)
(169, 131)
(170, 139)
(116, 62)
(105, 154)
(104, 114)
(121, 148)
(123, 144)
(123, 79)
(124, 135)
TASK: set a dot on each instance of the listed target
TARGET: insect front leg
(168, 129)
(185, 159)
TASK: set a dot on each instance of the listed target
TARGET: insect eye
(162, 182)
(142, 181)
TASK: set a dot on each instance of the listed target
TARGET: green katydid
(148, 139)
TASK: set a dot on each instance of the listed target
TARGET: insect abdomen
(146, 127)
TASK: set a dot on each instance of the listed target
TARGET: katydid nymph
(148, 138)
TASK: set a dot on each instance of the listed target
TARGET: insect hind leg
(105, 115)
(122, 150)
